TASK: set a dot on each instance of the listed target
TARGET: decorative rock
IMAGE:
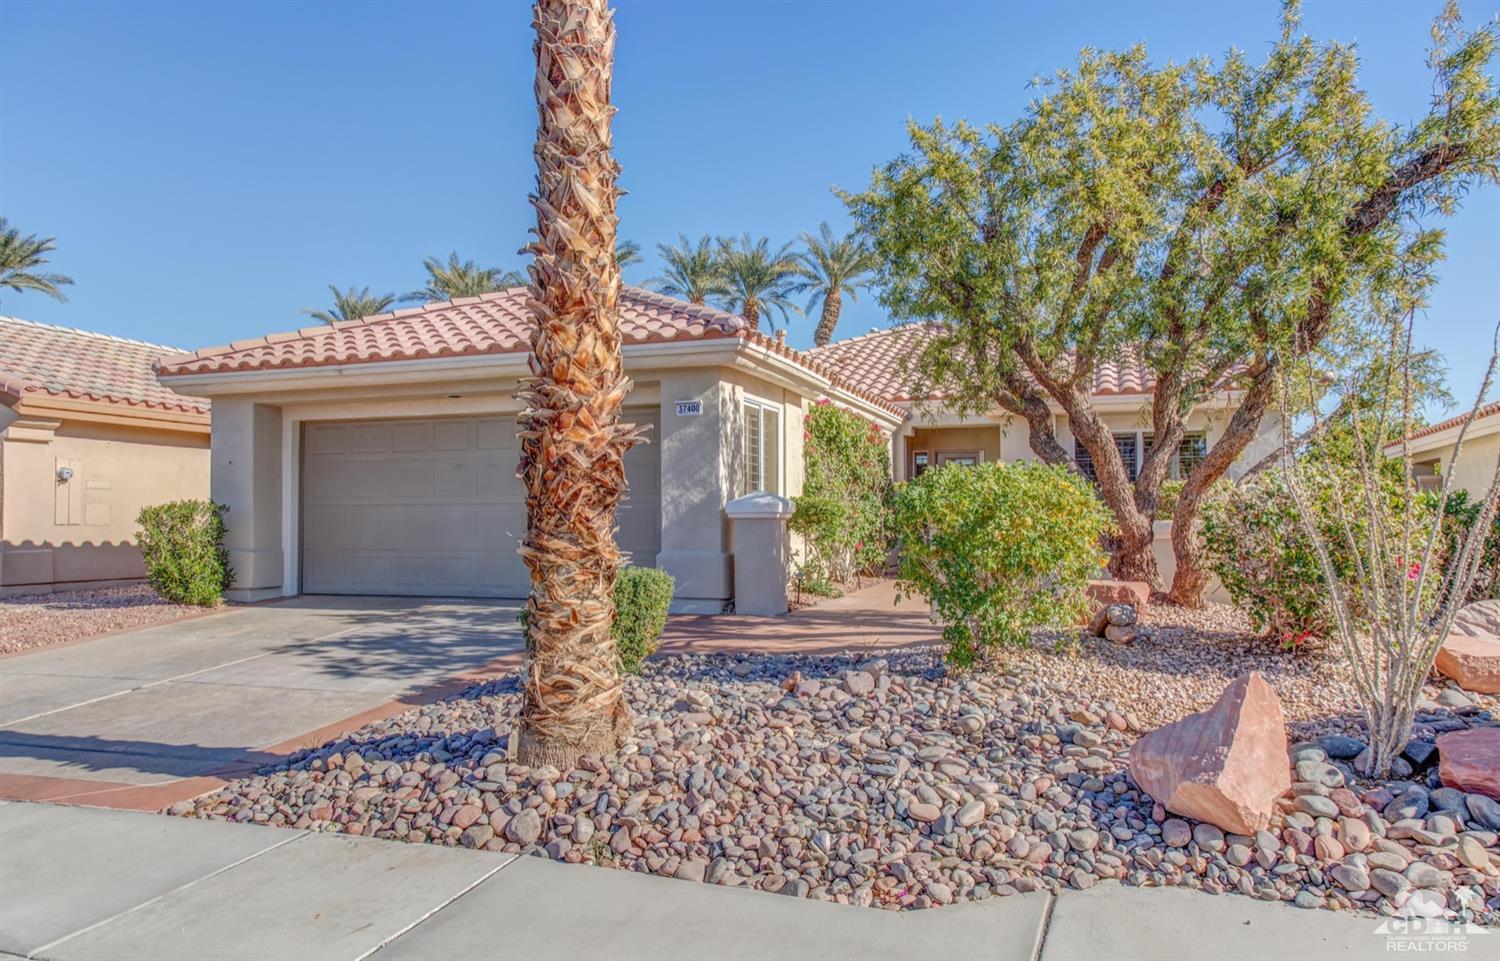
(924, 812)
(1318, 807)
(1176, 832)
(1470, 760)
(1226, 765)
(1472, 661)
(1350, 877)
(1106, 592)
(1389, 883)
(1121, 634)
(1479, 619)
(1472, 854)
(1420, 753)
(1120, 615)
(526, 827)
(1484, 810)
(858, 683)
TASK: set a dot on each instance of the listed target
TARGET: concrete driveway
(180, 702)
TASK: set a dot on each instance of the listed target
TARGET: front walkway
(83, 883)
(153, 716)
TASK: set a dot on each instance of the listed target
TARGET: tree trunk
(1190, 578)
(751, 313)
(832, 305)
(1132, 557)
(1027, 402)
(572, 441)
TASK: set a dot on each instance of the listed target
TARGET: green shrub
(182, 543)
(1254, 541)
(642, 597)
(998, 549)
(1460, 514)
(1166, 504)
(843, 514)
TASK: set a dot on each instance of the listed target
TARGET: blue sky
(209, 168)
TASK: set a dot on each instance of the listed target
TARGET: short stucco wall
(81, 532)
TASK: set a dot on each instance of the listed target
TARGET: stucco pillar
(762, 552)
(695, 484)
(246, 477)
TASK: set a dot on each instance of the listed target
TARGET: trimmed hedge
(999, 549)
(642, 598)
(182, 543)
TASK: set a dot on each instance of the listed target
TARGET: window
(966, 458)
(1191, 452)
(762, 448)
(919, 463)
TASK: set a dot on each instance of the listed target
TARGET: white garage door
(433, 507)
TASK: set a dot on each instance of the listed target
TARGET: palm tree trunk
(751, 313)
(832, 305)
(572, 441)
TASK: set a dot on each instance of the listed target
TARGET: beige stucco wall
(1475, 470)
(55, 534)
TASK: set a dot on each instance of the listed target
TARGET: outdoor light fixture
(64, 474)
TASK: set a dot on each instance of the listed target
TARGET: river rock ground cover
(887, 780)
(39, 620)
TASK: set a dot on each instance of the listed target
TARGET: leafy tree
(757, 279)
(843, 511)
(828, 269)
(461, 279)
(21, 256)
(352, 304)
(572, 441)
(1218, 218)
(693, 270)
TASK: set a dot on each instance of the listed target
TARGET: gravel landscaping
(890, 781)
(37, 620)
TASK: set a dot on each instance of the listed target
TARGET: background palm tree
(828, 269)
(758, 279)
(352, 304)
(572, 442)
(19, 258)
(692, 272)
(461, 279)
(627, 253)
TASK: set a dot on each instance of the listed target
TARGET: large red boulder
(1226, 765)
(1470, 760)
(1474, 662)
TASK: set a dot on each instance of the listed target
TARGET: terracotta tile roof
(873, 363)
(494, 323)
(85, 366)
(1488, 410)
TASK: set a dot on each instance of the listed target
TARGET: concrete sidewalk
(91, 883)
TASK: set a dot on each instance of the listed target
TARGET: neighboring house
(933, 434)
(87, 438)
(1431, 448)
(378, 456)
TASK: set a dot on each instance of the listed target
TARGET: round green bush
(998, 550)
(182, 543)
(643, 595)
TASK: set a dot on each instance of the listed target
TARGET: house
(933, 434)
(1431, 449)
(87, 438)
(378, 456)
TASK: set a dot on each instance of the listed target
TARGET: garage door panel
(433, 507)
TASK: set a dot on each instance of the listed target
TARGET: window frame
(760, 407)
(946, 457)
(1143, 443)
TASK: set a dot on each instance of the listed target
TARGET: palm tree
(19, 258)
(828, 269)
(693, 270)
(352, 304)
(461, 279)
(627, 253)
(758, 279)
(572, 441)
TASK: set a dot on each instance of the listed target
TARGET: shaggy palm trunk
(751, 313)
(572, 441)
(832, 305)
